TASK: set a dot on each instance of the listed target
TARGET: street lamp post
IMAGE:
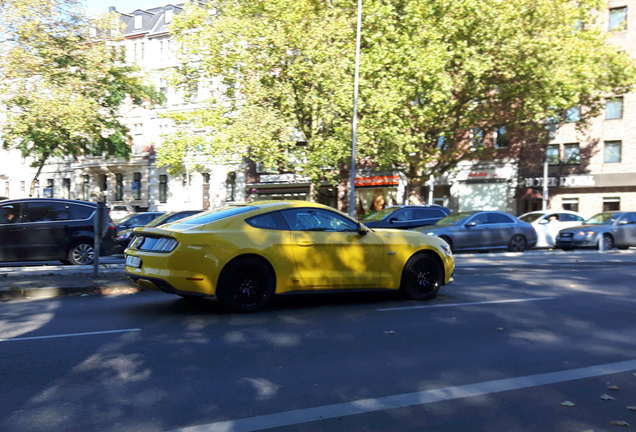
(354, 122)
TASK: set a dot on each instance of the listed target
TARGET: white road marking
(466, 304)
(289, 418)
(70, 335)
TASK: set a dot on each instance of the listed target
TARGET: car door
(502, 229)
(426, 216)
(474, 234)
(329, 251)
(402, 219)
(626, 230)
(48, 227)
(11, 231)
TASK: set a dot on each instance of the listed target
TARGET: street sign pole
(100, 226)
(354, 121)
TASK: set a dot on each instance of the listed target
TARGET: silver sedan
(483, 230)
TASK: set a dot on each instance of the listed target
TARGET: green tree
(63, 82)
(430, 69)
(437, 68)
(281, 71)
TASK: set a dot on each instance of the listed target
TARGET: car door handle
(305, 243)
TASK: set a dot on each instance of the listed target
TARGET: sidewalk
(55, 281)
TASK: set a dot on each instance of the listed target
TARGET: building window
(476, 137)
(66, 188)
(553, 154)
(50, 186)
(168, 16)
(571, 204)
(612, 151)
(614, 108)
(206, 178)
(572, 154)
(163, 188)
(572, 115)
(611, 204)
(618, 19)
(119, 187)
(139, 21)
(230, 185)
(502, 139)
(22, 189)
(103, 182)
(136, 185)
(86, 190)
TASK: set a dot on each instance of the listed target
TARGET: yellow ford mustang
(245, 254)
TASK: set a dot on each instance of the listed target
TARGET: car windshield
(454, 218)
(602, 219)
(531, 217)
(379, 215)
(219, 213)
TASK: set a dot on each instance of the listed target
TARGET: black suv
(42, 229)
(406, 216)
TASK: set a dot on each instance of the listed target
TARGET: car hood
(585, 228)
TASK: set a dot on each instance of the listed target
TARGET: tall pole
(354, 122)
(545, 182)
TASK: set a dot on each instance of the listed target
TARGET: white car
(118, 212)
(548, 223)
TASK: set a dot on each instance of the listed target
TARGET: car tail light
(155, 244)
(111, 226)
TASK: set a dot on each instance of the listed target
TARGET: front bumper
(576, 242)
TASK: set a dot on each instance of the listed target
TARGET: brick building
(592, 170)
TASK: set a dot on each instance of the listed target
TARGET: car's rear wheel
(517, 243)
(81, 253)
(606, 242)
(246, 285)
(422, 277)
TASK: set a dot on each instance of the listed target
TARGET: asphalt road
(499, 350)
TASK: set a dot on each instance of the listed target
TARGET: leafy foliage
(62, 88)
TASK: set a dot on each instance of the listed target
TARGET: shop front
(378, 189)
(485, 188)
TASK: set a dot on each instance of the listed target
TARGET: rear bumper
(158, 284)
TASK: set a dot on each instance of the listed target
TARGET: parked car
(42, 229)
(128, 224)
(406, 216)
(601, 231)
(173, 217)
(483, 231)
(548, 223)
(119, 212)
(245, 254)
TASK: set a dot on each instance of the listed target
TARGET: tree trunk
(314, 192)
(37, 174)
(415, 183)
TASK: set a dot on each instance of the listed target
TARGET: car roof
(50, 200)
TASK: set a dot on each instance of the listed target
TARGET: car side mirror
(362, 229)
(470, 224)
(393, 219)
(544, 222)
(623, 222)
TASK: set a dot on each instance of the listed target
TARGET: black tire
(605, 243)
(65, 262)
(422, 277)
(448, 241)
(81, 253)
(245, 285)
(517, 243)
(567, 248)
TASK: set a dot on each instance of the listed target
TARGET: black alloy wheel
(81, 253)
(517, 243)
(606, 242)
(422, 277)
(246, 285)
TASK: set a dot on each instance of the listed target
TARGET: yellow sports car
(245, 254)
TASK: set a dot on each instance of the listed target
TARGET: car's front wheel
(81, 253)
(422, 277)
(517, 243)
(606, 242)
(246, 285)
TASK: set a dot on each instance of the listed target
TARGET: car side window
(273, 221)
(48, 212)
(79, 211)
(9, 213)
(317, 220)
(428, 214)
(495, 218)
(143, 219)
(479, 219)
(403, 215)
(630, 218)
(566, 217)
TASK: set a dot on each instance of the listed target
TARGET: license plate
(565, 240)
(133, 261)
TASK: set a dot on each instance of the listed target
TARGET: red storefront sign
(377, 181)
